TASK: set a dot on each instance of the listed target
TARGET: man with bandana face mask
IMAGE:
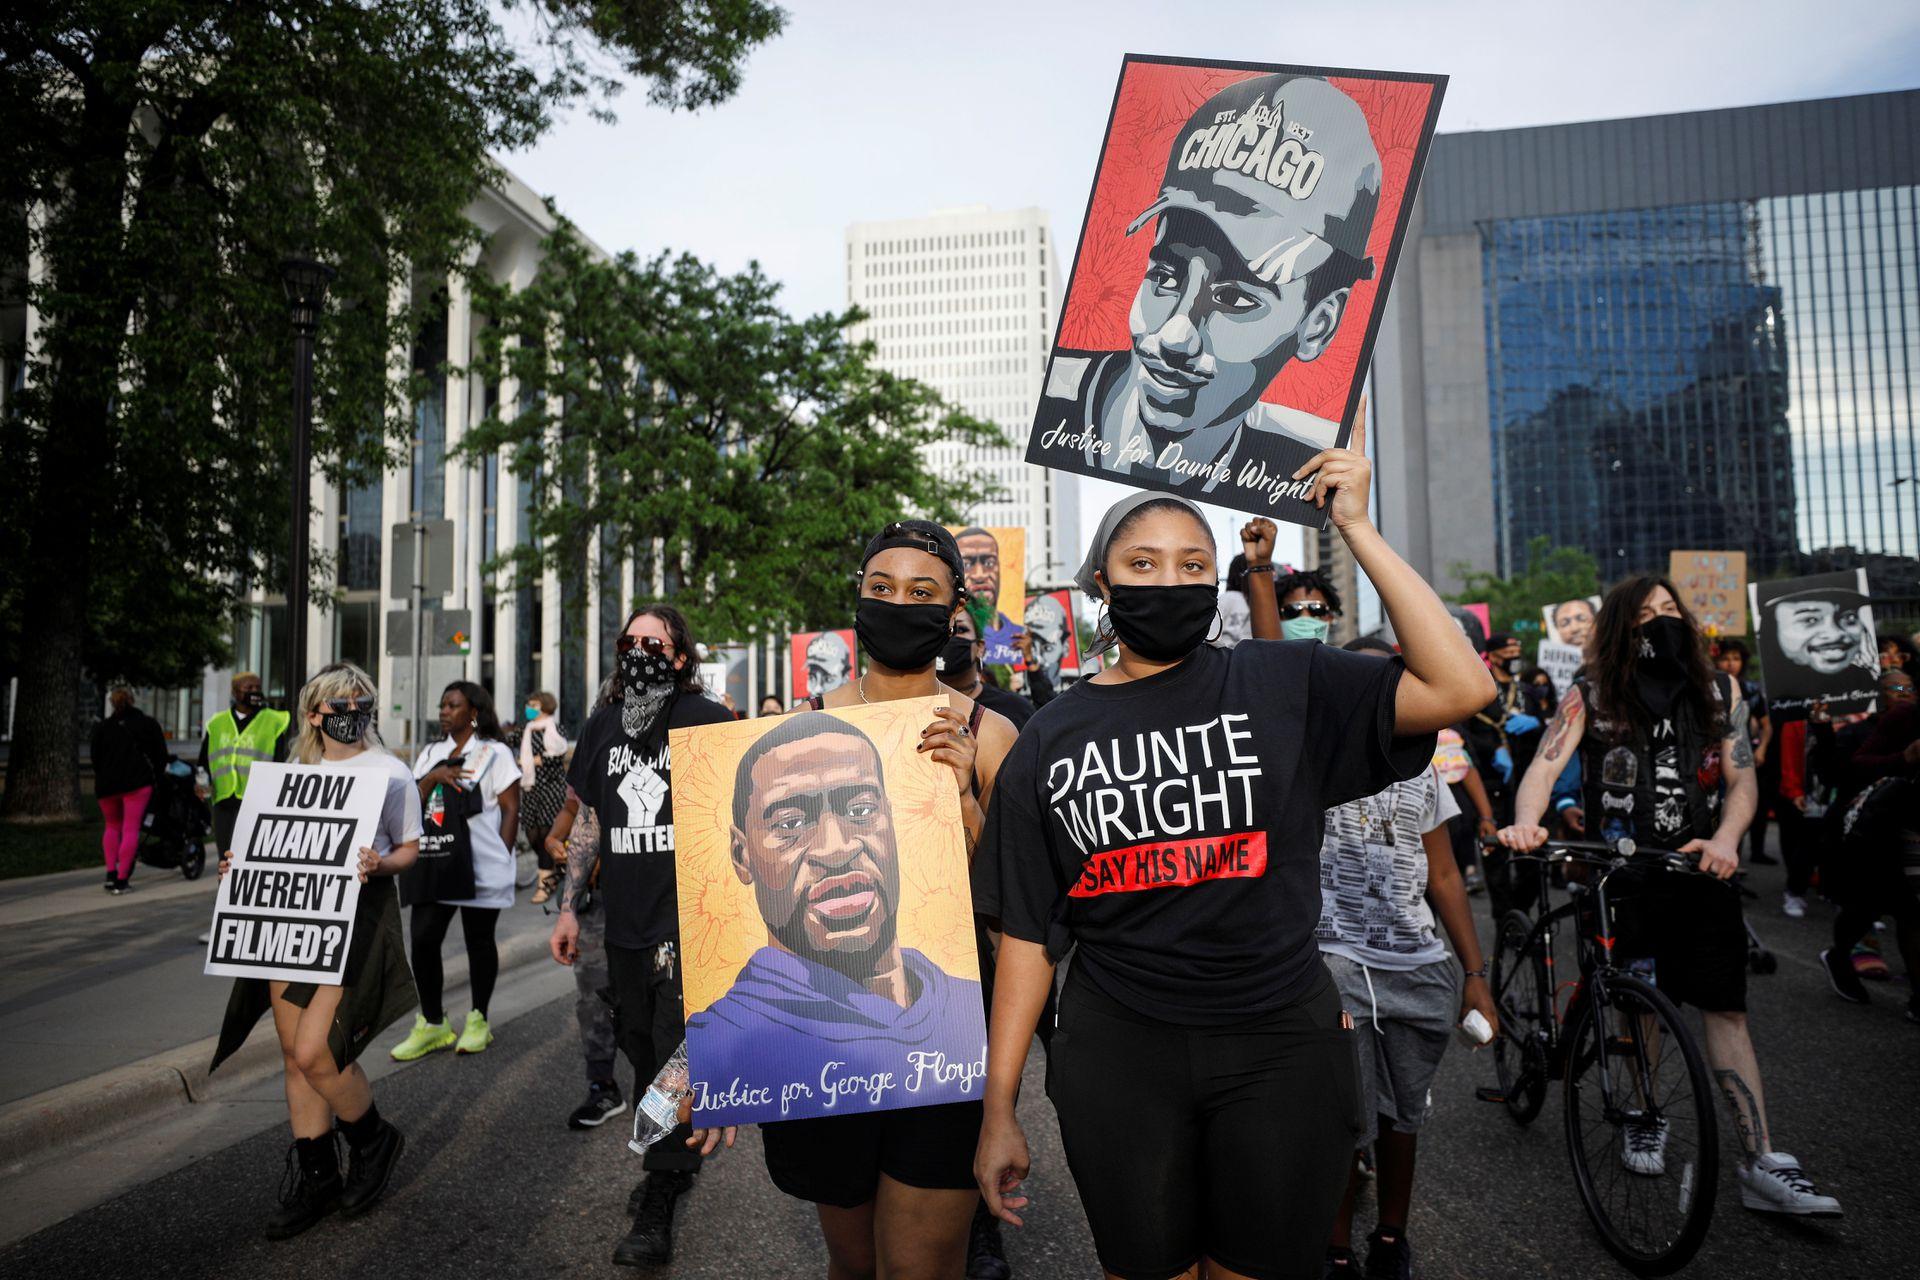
(622, 769)
(249, 731)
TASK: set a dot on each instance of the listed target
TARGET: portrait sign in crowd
(1055, 636)
(1231, 273)
(284, 911)
(826, 922)
(1816, 644)
(1713, 585)
(996, 567)
(822, 661)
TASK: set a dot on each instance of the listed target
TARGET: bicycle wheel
(1525, 1001)
(1641, 1128)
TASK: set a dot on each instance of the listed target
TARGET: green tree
(164, 157)
(1551, 574)
(735, 455)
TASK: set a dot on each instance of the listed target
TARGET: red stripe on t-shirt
(1172, 864)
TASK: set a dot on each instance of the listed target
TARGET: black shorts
(838, 1160)
(1692, 928)
(1232, 1143)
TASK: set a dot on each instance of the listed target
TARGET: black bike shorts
(838, 1160)
(1693, 929)
(1231, 1143)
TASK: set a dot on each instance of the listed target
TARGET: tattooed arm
(1536, 788)
(1720, 856)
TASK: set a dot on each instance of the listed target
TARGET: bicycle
(1642, 1132)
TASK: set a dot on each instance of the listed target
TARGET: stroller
(178, 823)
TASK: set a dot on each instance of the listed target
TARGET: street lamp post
(306, 284)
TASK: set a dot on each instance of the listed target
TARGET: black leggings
(430, 922)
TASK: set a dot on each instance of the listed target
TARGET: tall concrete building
(1686, 331)
(965, 301)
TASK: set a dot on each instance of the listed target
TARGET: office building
(1686, 331)
(966, 301)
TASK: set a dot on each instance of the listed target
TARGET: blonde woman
(323, 1028)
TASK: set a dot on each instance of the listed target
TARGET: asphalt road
(494, 1185)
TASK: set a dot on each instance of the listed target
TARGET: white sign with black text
(285, 907)
(1559, 661)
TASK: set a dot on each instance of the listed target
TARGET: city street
(493, 1184)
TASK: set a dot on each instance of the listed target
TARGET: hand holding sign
(1342, 478)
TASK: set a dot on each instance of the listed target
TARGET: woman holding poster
(326, 1089)
(1164, 820)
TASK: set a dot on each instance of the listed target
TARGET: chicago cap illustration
(1285, 167)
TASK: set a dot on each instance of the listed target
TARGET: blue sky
(884, 110)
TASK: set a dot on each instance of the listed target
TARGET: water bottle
(658, 1112)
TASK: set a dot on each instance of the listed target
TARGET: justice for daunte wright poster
(826, 923)
(285, 907)
(1231, 274)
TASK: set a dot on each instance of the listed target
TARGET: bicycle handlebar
(1598, 852)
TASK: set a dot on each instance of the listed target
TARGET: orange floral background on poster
(720, 926)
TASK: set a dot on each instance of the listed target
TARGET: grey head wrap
(1103, 539)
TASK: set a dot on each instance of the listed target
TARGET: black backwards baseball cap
(1285, 167)
(920, 535)
(1845, 596)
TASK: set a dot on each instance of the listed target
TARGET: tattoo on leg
(1746, 1112)
(1742, 753)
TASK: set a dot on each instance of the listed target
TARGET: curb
(74, 1113)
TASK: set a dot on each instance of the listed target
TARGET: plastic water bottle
(658, 1111)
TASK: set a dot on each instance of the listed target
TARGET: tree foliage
(1551, 574)
(736, 456)
(168, 155)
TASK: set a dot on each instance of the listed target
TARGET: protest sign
(1231, 275)
(1559, 661)
(284, 909)
(1056, 638)
(822, 661)
(1476, 620)
(1816, 644)
(1571, 621)
(824, 986)
(1713, 586)
(996, 568)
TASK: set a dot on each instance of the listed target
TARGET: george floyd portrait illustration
(826, 920)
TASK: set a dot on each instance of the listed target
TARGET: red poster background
(797, 660)
(1071, 662)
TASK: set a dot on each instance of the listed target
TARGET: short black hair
(1733, 645)
(1308, 580)
(790, 729)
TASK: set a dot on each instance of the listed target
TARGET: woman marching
(894, 1189)
(327, 1092)
(468, 780)
(542, 749)
(1165, 818)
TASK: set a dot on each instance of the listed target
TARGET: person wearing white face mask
(1308, 605)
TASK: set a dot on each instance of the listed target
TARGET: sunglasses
(652, 644)
(346, 706)
(1311, 608)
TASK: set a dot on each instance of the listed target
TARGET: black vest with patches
(1697, 750)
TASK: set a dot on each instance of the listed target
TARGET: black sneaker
(603, 1104)
(986, 1255)
(119, 887)
(650, 1243)
(1389, 1257)
(112, 880)
(369, 1169)
(310, 1188)
(1841, 976)
(1340, 1264)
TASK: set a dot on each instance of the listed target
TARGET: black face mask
(642, 670)
(903, 637)
(252, 700)
(957, 658)
(1162, 624)
(346, 727)
(1664, 645)
(1514, 665)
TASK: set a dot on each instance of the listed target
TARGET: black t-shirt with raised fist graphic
(1170, 827)
(629, 783)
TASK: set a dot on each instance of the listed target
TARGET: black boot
(986, 1256)
(310, 1189)
(370, 1165)
(650, 1243)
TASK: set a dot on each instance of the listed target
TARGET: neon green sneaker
(477, 1036)
(425, 1038)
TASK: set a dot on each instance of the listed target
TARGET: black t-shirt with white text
(1170, 827)
(629, 783)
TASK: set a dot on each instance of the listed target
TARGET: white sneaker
(205, 938)
(1775, 1184)
(1794, 906)
(1643, 1148)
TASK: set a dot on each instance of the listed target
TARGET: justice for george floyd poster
(1816, 644)
(284, 910)
(822, 661)
(1231, 274)
(1055, 636)
(995, 560)
(826, 921)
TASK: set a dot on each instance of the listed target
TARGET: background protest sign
(826, 923)
(1056, 636)
(1713, 585)
(285, 907)
(995, 559)
(822, 661)
(1816, 644)
(1559, 661)
(1570, 621)
(1231, 274)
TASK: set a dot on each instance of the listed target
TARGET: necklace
(860, 687)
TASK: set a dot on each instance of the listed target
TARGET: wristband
(1564, 803)
(1260, 568)
(1473, 973)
